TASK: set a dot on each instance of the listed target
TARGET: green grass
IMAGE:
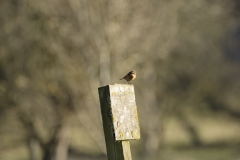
(214, 153)
(219, 135)
(14, 153)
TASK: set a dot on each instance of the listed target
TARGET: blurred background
(55, 54)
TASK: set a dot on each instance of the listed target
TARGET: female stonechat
(130, 76)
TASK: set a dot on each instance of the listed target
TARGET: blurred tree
(54, 55)
(43, 77)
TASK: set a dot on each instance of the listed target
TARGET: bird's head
(133, 72)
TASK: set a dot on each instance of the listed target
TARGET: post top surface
(114, 85)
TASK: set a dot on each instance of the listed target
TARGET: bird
(130, 76)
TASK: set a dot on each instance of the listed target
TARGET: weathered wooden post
(120, 119)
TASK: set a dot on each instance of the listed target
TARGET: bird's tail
(121, 78)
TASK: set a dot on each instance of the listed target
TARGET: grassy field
(220, 137)
(212, 153)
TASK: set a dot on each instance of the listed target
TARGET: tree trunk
(153, 131)
(57, 148)
(195, 138)
(33, 148)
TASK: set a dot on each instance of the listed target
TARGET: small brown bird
(130, 76)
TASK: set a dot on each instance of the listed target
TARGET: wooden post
(120, 119)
